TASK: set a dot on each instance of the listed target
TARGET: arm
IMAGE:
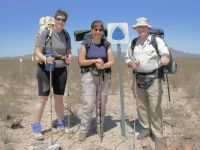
(164, 60)
(163, 51)
(68, 59)
(128, 57)
(68, 48)
(38, 52)
(68, 51)
(130, 60)
(40, 44)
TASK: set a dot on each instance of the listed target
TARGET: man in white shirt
(146, 63)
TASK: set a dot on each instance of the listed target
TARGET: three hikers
(95, 60)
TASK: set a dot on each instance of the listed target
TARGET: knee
(88, 106)
(42, 100)
(88, 103)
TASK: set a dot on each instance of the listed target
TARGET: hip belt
(158, 73)
(59, 62)
(94, 70)
(145, 80)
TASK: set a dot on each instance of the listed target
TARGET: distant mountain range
(175, 53)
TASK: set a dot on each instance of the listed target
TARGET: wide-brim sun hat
(141, 22)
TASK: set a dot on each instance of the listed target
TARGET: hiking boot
(38, 136)
(82, 136)
(143, 133)
(160, 144)
(36, 127)
(60, 125)
(68, 130)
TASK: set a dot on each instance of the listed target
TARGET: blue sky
(19, 20)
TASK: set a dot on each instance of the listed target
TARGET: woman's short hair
(61, 13)
(97, 23)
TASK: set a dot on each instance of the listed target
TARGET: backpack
(171, 68)
(79, 35)
(46, 23)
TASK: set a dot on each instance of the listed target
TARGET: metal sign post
(118, 33)
(123, 131)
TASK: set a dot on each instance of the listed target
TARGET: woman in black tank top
(95, 59)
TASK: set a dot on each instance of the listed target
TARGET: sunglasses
(60, 19)
(98, 30)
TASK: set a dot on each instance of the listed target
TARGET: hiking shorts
(59, 79)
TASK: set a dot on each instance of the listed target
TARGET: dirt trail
(22, 139)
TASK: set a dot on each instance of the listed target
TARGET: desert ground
(18, 95)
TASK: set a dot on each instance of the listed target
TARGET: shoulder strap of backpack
(133, 43)
(88, 43)
(48, 37)
(154, 44)
(106, 45)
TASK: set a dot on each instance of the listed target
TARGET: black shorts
(59, 79)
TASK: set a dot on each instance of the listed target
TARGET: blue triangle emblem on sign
(118, 34)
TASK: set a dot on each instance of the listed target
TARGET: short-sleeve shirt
(58, 43)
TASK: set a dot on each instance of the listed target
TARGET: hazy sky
(19, 20)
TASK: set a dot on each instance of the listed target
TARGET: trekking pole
(100, 108)
(51, 103)
(170, 106)
(135, 99)
(50, 68)
(52, 146)
(68, 118)
(68, 87)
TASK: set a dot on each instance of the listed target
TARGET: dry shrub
(186, 111)
(13, 78)
(187, 76)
